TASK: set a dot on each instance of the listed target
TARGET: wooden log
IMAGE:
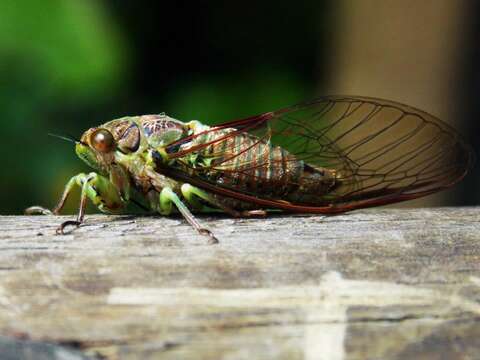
(373, 284)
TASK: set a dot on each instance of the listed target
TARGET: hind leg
(193, 194)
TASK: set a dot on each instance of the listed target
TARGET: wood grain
(373, 284)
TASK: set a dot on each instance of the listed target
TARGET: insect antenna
(68, 138)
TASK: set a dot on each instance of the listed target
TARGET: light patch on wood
(333, 289)
(325, 341)
(475, 280)
(4, 299)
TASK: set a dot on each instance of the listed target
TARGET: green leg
(192, 193)
(37, 210)
(95, 187)
(169, 197)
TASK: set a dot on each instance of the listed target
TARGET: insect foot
(212, 239)
(61, 228)
(37, 210)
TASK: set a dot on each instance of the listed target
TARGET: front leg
(103, 194)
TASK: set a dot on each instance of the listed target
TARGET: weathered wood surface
(374, 284)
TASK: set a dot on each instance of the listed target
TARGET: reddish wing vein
(383, 152)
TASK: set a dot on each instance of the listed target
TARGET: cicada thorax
(135, 138)
(157, 130)
(252, 165)
(161, 130)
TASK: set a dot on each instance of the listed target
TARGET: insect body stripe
(251, 164)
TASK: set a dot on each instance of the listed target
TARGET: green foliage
(52, 52)
(71, 45)
(218, 100)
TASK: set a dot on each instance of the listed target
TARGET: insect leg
(75, 180)
(98, 189)
(37, 210)
(167, 197)
(191, 193)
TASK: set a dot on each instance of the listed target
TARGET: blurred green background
(67, 65)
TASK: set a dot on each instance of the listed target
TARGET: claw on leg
(212, 239)
(95, 187)
(61, 228)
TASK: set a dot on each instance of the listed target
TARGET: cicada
(327, 156)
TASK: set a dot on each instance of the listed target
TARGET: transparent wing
(382, 152)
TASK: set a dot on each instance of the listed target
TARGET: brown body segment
(249, 164)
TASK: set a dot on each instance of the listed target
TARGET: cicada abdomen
(251, 164)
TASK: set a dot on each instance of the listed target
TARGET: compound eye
(102, 140)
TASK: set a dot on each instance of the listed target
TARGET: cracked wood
(380, 283)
